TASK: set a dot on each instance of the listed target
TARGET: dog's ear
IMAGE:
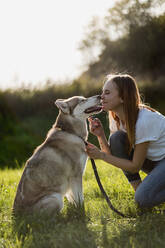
(62, 105)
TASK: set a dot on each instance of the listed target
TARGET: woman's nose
(102, 96)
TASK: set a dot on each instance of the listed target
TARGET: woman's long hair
(129, 93)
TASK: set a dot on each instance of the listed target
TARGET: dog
(56, 168)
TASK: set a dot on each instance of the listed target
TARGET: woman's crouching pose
(137, 139)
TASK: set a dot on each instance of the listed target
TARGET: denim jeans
(151, 191)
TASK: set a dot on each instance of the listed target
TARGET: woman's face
(110, 97)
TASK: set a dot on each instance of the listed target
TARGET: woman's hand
(93, 151)
(95, 127)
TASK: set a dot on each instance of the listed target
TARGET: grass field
(99, 227)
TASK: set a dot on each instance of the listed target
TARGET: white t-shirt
(150, 126)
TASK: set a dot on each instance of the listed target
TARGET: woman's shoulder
(149, 126)
(149, 116)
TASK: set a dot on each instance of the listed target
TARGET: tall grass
(98, 227)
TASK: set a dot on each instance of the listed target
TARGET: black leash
(101, 186)
(102, 189)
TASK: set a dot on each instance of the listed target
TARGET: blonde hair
(129, 93)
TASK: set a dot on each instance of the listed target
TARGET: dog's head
(80, 107)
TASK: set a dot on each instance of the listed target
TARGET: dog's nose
(99, 97)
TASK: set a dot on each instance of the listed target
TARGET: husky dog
(56, 167)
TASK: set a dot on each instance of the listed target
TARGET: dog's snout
(99, 97)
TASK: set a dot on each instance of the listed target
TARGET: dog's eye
(83, 100)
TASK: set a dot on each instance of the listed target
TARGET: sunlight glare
(39, 38)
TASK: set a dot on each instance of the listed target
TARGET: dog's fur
(56, 167)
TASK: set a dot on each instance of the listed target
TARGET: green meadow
(26, 115)
(96, 226)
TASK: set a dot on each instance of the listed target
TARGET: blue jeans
(151, 191)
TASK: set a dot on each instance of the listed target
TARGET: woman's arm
(104, 144)
(132, 166)
(96, 128)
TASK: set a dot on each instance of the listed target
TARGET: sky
(39, 39)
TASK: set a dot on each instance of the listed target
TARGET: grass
(98, 227)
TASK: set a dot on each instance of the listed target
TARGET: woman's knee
(142, 199)
(118, 143)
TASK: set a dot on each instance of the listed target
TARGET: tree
(139, 41)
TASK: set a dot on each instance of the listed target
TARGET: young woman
(137, 139)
